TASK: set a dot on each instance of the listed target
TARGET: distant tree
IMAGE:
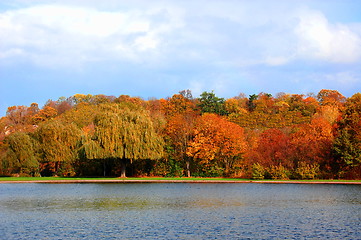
(177, 104)
(210, 103)
(19, 118)
(330, 97)
(17, 115)
(187, 94)
(45, 114)
(251, 104)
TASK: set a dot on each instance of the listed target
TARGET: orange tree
(271, 150)
(311, 144)
(179, 130)
(217, 144)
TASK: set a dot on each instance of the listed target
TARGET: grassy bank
(162, 179)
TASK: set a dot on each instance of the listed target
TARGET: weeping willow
(123, 132)
(21, 156)
(58, 142)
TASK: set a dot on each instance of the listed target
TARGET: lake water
(179, 211)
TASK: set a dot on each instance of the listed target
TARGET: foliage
(58, 145)
(258, 171)
(122, 133)
(217, 142)
(278, 172)
(21, 155)
(307, 171)
(289, 135)
(179, 131)
(347, 145)
(210, 103)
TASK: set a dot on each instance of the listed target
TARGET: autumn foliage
(289, 136)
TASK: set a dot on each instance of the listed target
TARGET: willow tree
(123, 132)
(21, 154)
(58, 145)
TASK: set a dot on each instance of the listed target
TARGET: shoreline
(179, 181)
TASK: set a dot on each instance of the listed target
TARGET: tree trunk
(123, 166)
(188, 170)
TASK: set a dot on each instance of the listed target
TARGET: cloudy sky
(54, 48)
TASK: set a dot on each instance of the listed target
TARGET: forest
(260, 136)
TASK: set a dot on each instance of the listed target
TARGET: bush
(258, 171)
(161, 168)
(307, 171)
(278, 172)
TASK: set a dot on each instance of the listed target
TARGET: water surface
(179, 211)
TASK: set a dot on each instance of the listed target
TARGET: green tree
(347, 145)
(123, 132)
(251, 104)
(210, 103)
(21, 154)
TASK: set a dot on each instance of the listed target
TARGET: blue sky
(50, 49)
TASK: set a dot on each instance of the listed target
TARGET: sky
(154, 49)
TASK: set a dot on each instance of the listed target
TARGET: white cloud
(319, 39)
(62, 35)
(216, 33)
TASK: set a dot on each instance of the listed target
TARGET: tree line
(260, 136)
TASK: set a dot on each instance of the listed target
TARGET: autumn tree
(16, 115)
(312, 144)
(177, 104)
(272, 149)
(81, 115)
(124, 133)
(236, 105)
(180, 131)
(58, 144)
(330, 97)
(45, 114)
(217, 142)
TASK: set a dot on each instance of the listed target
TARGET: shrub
(258, 171)
(278, 172)
(306, 170)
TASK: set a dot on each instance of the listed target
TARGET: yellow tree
(58, 145)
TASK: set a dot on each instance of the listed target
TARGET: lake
(180, 211)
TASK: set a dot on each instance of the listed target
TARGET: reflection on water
(181, 210)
